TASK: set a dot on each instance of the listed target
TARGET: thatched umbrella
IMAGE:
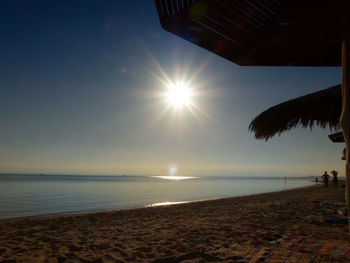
(321, 108)
(337, 137)
(270, 33)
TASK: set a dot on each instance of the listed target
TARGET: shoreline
(100, 194)
(77, 213)
(225, 230)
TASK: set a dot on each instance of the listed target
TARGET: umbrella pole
(345, 115)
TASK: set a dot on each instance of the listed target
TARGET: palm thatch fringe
(322, 108)
(336, 137)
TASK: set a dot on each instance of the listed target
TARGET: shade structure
(261, 32)
(322, 108)
(336, 137)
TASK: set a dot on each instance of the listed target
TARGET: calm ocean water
(40, 195)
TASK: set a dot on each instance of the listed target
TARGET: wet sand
(222, 230)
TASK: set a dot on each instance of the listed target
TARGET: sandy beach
(239, 229)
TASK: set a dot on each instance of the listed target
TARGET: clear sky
(80, 85)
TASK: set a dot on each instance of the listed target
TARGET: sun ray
(179, 92)
(184, 74)
(197, 72)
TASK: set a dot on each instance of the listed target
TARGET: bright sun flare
(179, 95)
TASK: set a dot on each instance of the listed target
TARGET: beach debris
(335, 248)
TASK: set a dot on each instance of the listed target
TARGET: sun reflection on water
(175, 177)
(168, 203)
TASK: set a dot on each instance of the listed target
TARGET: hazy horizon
(189, 176)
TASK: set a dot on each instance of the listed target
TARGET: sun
(179, 95)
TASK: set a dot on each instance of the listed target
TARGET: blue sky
(79, 83)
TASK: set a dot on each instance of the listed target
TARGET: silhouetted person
(335, 178)
(325, 177)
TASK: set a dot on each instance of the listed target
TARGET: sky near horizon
(80, 86)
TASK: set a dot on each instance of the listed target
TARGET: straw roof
(337, 137)
(260, 32)
(322, 108)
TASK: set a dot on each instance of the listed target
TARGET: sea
(23, 195)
